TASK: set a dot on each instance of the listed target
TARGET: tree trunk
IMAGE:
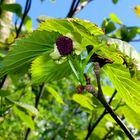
(5, 21)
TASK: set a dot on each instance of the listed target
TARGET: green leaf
(115, 19)
(15, 8)
(4, 93)
(83, 32)
(131, 116)
(108, 26)
(27, 49)
(84, 101)
(70, 25)
(127, 50)
(108, 90)
(24, 117)
(45, 69)
(28, 23)
(25, 107)
(114, 1)
(31, 109)
(55, 94)
(128, 88)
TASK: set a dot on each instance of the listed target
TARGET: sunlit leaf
(24, 117)
(45, 69)
(115, 19)
(84, 101)
(137, 10)
(27, 49)
(28, 23)
(128, 88)
(26, 107)
(126, 49)
(131, 116)
(55, 94)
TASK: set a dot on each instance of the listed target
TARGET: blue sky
(96, 11)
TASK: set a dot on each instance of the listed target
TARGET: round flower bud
(90, 88)
(80, 88)
(64, 45)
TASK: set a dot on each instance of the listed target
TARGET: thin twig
(37, 99)
(82, 6)
(26, 10)
(73, 8)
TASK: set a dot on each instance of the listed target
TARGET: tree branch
(37, 99)
(73, 8)
(82, 6)
(91, 128)
(26, 10)
(101, 98)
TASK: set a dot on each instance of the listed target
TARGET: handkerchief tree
(94, 79)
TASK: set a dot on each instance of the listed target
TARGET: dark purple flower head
(80, 88)
(64, 45)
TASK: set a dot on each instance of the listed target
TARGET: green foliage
(60, 111)
(114, 1)
(55, 94)
(27, 49)
(45, 69)
(108, 26)
(24, 117)
(15, 8)
(128, 88)
(115, 19)
(83, 101)
(28, 24)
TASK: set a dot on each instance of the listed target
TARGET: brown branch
(73, 8)
(99, 95)
(91, 128)
(101, 98)
(37, 99)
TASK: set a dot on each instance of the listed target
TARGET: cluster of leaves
(36, 49)
(63, 113)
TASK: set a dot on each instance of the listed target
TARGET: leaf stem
(26, 10)
(73, 69)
